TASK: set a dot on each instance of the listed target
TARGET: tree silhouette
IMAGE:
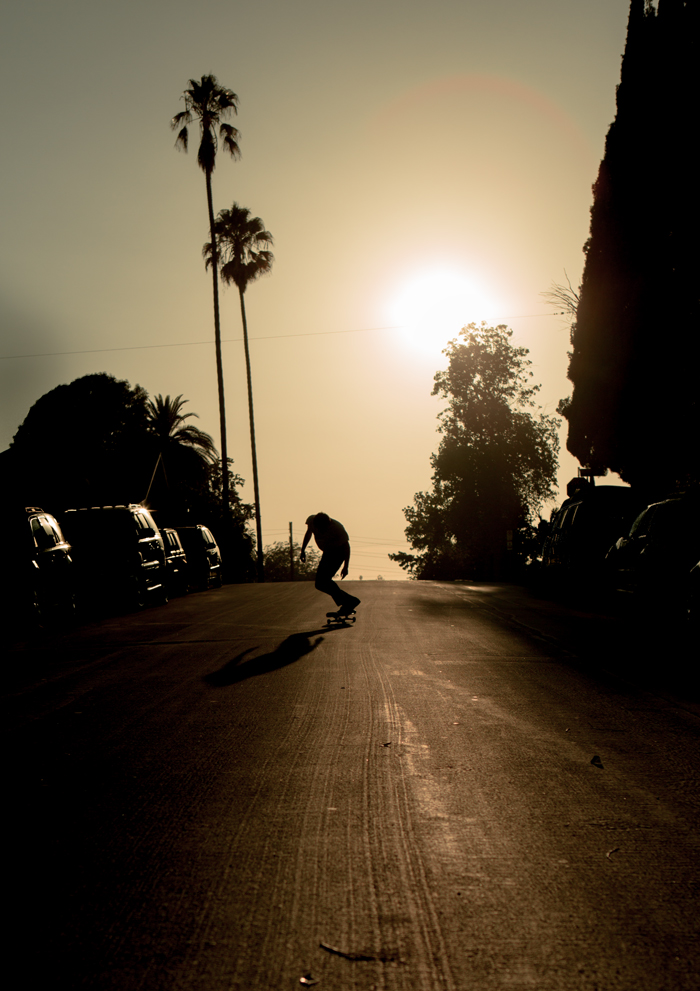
(208, 103)
(241, 242)
(495, 466)
(636, 348)
(86, 443)
(183, 449)
(167, 422)
(277, 564)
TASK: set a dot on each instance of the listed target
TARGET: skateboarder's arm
(346, 562)
(307, 537)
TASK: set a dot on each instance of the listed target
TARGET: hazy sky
(419, 165)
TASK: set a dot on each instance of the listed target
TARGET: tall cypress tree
(636, 340)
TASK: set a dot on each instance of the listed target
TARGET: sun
(431, 308)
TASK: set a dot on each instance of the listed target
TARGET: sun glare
(431, 308)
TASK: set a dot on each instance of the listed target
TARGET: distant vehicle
(203, 556)
(175, 562)
(119, 556)
(37, 570)
(582, 530)
(654, 560)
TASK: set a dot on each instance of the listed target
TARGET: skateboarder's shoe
(349, 607)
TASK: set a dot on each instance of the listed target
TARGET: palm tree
(167, 421)
(242, 242)
(176, 440)
(208, 103)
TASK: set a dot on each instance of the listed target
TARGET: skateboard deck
(340, 619)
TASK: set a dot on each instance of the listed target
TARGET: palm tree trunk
(217, 342)
(256, 489)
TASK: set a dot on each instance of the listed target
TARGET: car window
(55, 528)
(45, 536)
(143, 525)
(671, 517)
(643, 521)
(58, 530)
(564, 518)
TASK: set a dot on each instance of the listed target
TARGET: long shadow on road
(292, 649)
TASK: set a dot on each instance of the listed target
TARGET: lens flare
(431, 308)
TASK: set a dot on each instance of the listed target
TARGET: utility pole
(291, 554)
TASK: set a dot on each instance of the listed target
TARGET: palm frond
(184, 115)
(229, 136)
(206, 154)
(182, 139)
(167, 422)
(208, 254)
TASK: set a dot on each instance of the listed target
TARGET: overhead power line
(233, 340)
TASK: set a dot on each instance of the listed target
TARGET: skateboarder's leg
(328, 567)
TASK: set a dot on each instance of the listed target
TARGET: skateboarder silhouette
(334, 543)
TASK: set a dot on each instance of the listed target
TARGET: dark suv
(653, 561)
(175, 562)
(118, 554)
(581, 533)
(203, 556)
(37, 574)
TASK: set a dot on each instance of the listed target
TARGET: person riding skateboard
(334, 543)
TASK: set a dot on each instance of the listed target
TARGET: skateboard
(340, 619)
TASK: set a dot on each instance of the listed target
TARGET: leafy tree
(86, 443)
(242, 243)
(208, 103)
(636, 348)
(277, 563)
(229, 522)
(495, 466)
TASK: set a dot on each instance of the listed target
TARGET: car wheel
(137, 593)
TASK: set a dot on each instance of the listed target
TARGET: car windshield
(45, 535)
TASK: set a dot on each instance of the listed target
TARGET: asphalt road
(467, 789)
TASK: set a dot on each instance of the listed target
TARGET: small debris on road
(386, 744)
(381, 958)
(597, 762)
(615, 849)
(346, 956)
(308, 981)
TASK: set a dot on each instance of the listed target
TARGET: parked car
(175, 562)
(203, 556)
(654, 560)
(37, 573)
(119, 555)
(581, 532)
